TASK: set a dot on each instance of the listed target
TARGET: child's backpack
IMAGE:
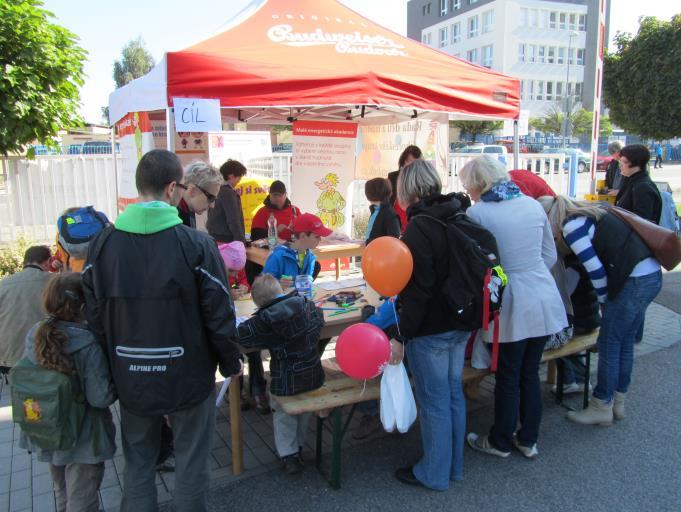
(669, 218)
(48, 405)
(475, 282)
(75, 231)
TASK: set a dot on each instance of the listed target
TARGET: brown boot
(618, 405)
(598, 413)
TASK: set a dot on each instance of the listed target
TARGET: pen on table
(345, 310)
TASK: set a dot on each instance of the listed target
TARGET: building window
(582, 22)
(532, 50)
(426, 38)
(523, 17)
(578, 91)
(487, 21)
(522, 89)
(456, 33)
(543, 18)
(540, 90)
(553, 19)
(456, 5)
(562, 18)
(571, 56)
(572, 21)
(473, 27)
(530, 94)
(521, 52)
(534, 18)
(472, 2)
(551, 55)
(580, 57)
(541, 50)
(559, 91)
(561, 56)
(487, 56)
(472, 55)
(549, 91)
(443, 7)
(444, 37)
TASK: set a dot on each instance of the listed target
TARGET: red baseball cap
(308, 223)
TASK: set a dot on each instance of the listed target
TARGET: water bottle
(272, 231)
(303, 285)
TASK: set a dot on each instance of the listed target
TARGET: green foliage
(42, 69)
(641, 79)
(476, 128)
(136, 61)
(581, 122)
(551, 123)
(360, 224)
(12, 257)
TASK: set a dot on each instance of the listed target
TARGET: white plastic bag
(398, 408)
(480, 356)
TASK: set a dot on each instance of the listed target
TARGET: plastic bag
(398, 408)
(481, 357)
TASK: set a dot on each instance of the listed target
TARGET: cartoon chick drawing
(330, 202)
(32, 410)
(138, 135)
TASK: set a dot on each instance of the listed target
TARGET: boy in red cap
(295, 257)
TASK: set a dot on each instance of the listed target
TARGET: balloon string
(397, 320)
(364, 388)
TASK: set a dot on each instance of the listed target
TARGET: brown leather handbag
(664, 243)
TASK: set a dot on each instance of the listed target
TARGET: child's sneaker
(293, 464)
(482, 444)
(530, 452)
(570, 389)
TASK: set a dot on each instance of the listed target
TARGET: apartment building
(550, 45)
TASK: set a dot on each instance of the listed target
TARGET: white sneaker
(482, 444)
(530, 452)
(570, 389)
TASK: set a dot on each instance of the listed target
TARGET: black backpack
(475, 282)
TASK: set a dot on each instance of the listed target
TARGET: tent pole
(170, 129)
(115, 166)
(516, 144)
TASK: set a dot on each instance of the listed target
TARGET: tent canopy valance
(318, 59)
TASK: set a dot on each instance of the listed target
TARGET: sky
(104, 27)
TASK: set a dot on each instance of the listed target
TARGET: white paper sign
(197, 115)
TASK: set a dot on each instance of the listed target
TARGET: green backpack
(48, 405)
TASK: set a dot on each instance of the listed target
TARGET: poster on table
(322, 170)
(135, 138)
(253, 149)
(379, 146)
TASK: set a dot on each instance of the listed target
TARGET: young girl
(63, 343)
(234, 256)
(384, 221)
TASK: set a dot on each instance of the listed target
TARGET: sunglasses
(210, 197)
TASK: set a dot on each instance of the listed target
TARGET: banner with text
(322, 170)
(135, 135)
(379, 146)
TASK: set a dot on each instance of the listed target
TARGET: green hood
(148, 218)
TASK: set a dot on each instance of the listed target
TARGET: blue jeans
(622, 318)
(436, 362)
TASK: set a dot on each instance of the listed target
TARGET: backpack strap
(495, 344)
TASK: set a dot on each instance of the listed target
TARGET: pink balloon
(362, 351)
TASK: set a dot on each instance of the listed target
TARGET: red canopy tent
(319, 59)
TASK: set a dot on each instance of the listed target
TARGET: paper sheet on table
(339, 285)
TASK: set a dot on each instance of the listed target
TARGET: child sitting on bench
(289, 327)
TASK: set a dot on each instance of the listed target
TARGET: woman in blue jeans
(626, 278)
(435, 344)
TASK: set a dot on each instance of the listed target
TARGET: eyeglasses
(210, 197)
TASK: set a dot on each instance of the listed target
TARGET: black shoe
(293, 464)
(406, 476)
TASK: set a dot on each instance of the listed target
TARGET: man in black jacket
(157, 297)
(638, 193)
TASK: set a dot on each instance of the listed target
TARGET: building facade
(550, 45)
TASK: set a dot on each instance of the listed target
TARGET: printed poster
(322, 170)
(253, 192)
(248, 147)
(135, 135)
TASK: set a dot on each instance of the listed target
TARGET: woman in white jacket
(532, 308)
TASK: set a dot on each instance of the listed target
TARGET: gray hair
(482, 173)
(416, 181)
(265, 289)
(202, 174)
(615, 146)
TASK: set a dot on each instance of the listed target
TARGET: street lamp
(567, 84)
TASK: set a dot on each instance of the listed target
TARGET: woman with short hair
(532, 309)
(226, 221)
(200, 189)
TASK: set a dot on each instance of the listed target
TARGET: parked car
(96, 147)
(489, 149)
(602, 162)
(583, 159)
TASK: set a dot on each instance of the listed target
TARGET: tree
(136, 61)
(476, 128)
(582, 123)
(641, 79)
(551, 123)
(42, 67)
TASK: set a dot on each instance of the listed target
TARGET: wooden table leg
(338, 265)
(551, 372)
(235, 426)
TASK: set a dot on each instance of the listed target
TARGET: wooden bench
(340, 390)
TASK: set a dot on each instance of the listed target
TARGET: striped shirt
(578, 233)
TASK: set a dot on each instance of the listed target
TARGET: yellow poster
(253, 192)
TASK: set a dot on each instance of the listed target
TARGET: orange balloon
(387, 265)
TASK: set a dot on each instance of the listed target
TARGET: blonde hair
(560, 208)
(482, 173)
(265, 289)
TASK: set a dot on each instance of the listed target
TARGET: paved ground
(632, 466)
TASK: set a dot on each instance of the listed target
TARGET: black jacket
(289, 327)
(226, 219)
(387, 222)
(187, 216)
(613, 177)
(161, 306)
(586, 312)
(641, 196)
(423, 310)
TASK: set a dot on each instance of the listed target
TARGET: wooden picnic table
(325, 251)
(335, 324)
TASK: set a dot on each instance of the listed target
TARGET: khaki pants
(76, 486)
